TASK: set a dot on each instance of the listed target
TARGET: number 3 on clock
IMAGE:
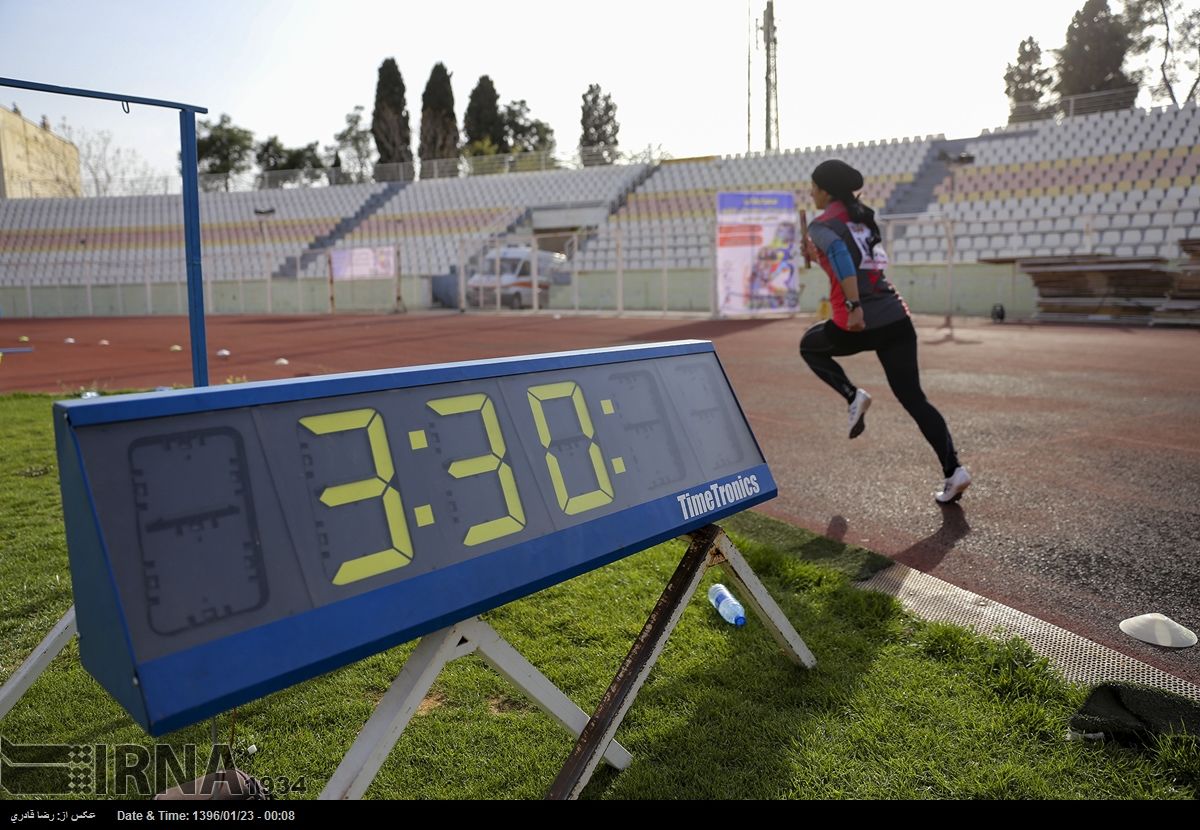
(493, 462)
(381, 487)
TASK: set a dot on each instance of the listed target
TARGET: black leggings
(896, 346)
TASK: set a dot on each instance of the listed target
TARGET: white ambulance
(513, 266)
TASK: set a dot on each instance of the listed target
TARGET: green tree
(280, 165)
(1026, 81)
(598, 141)
(356, 142)
(334, 171)
(223, 151)
(1167, 26)
(439, 125)
(106, 170)
(1093, 56)
(525, 134)
(270, 154)
(483, 157)
(482, 120)
(481, 147)
(389, 119)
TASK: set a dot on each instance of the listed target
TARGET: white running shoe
(954, 487)
(858, 411)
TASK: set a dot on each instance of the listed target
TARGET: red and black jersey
(881, 303)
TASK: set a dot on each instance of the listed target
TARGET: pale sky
(676, 70)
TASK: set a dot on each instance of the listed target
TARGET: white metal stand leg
(761, 603)
(37, 662)
(709, 546)
(393, 712)
(509, 663)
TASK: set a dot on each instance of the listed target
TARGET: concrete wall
(34, 162)
(689, 290)
(976, 288)
(583, 216)
(925, 288)
(288, 296)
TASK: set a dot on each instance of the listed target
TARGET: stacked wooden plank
(1182, 307)
(1099, 289)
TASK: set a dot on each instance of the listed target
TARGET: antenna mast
(749, 48)
(772, 46)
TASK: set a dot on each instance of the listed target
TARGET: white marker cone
(1158, 630)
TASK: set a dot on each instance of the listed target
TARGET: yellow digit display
(380, 487)
(493, 462)
(603, 494)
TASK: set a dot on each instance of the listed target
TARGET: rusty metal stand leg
(709, 546)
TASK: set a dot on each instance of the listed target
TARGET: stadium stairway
(633, 184)
(917, 197)
(445, 286)
(292, 266)
(523, 225)
(622, 199)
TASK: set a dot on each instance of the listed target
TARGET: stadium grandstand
(432, 219)
(676, 206)
(1123, 183)
(1120, 183)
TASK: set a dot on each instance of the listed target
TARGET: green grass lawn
(896, 707)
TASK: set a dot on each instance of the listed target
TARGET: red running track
(1083, 440)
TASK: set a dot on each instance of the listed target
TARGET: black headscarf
(841, 181)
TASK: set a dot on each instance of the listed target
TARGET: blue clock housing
(228, 542)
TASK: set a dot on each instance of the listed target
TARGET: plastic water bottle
(729, 608)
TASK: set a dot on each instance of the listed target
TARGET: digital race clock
(227, 542)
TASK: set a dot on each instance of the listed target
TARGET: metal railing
(1072, 105)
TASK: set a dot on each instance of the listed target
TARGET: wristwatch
(853, 304)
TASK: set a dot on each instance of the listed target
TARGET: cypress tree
(389, 119)
(439, 125)
(1093, 55)
(482, 120)
(600, 127)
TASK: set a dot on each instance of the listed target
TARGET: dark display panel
(221, 521)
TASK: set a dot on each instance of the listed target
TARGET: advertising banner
(363, 263)
(757, 249)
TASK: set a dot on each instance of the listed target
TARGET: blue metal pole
(191, 238)
(91, 93)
